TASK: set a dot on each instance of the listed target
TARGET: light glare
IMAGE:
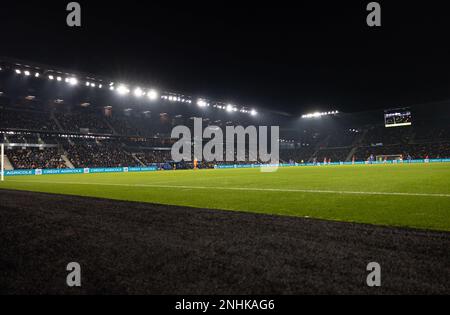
(152, 95)
(123, 90)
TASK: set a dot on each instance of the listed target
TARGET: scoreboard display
(397, 117)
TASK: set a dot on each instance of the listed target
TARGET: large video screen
(398, 117)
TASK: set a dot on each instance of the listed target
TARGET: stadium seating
(33, 158)
(89, 138)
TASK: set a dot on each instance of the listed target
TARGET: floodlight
(229, 108)
(152, 95)
(37, 75)
(253, 112)
(58, 79)
(138, 92)
(202, 103)
(27, 73)
(51, 77)
(73, 81)
(123, 90)
(18, 71)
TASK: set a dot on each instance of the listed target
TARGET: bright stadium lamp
(27, 73)
(202, 103)
(123, 90)
(37, 74)
(138, 92)
(152, 95)
(253, 112)
(50, 77)
(229, 108)
(58, 79)
(73, 81)
(18, 71)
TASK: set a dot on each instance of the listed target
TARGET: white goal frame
(2, 166)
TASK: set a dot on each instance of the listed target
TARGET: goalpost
(2, 169)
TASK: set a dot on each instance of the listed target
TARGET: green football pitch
(395, 195)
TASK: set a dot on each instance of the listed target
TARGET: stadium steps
(8, 164)
(67, 161)
(352, 153)
(321, 144)
(110, 126)
(137, 160)
(53, 117)
(356, 146)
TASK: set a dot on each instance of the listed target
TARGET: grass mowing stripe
(246, 189)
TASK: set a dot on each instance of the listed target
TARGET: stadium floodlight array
(124, 89)
(202, 103)
(320, 114)
(231, 108)
(176, 98)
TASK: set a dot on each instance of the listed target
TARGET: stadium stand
(96, 153)
(83, 123)
(33, 158)
(43, 127)
(26, 120)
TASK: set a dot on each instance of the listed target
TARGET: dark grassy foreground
(402, 195)
(137, 248)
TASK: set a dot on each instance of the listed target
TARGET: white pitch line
(339, 192)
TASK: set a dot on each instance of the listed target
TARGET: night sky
(290, 57)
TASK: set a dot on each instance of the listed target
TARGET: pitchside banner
(66, 171)
(332, 164)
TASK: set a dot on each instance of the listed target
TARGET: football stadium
(87, 165)
(224, 156)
